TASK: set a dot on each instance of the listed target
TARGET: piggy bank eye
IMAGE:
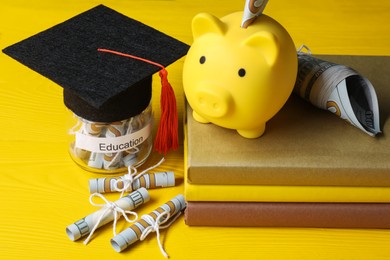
(241, 72)
(202, 60)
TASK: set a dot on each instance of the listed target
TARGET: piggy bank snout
(213, 101)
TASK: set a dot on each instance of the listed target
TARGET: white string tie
(132, 175)
(109, 207)
(155, 226)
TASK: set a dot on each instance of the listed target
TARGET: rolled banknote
(113, 160)
(130, 157)
(135, 123)
(147, 180)
(252, 9)
(90, 128)
(113, 146)
(137, 231)
(105, 215)
(340, 90)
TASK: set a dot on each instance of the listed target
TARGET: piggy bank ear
(266, 43)
(206, 23)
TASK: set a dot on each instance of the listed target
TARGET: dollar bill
(340, 90)
(132, 234)
(113, 160)
(252, 9)
(93, 129)
(88, 150)
(147, 180)
(85, 225)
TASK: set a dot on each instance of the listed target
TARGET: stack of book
(309, 169)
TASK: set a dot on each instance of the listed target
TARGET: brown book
(313, 215)
(302, 145)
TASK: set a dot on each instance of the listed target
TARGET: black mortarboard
(100, 86)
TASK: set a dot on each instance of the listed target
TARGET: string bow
(156, 224)
(110, 208)
(127, 180)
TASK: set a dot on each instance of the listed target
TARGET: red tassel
(167, 133)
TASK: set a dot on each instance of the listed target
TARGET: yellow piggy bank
(239, 78)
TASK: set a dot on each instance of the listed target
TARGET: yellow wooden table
(42, 190)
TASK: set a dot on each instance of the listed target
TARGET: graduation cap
(104, 61)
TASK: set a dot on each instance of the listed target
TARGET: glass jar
(111, 147)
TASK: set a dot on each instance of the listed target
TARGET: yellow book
(256, 193)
